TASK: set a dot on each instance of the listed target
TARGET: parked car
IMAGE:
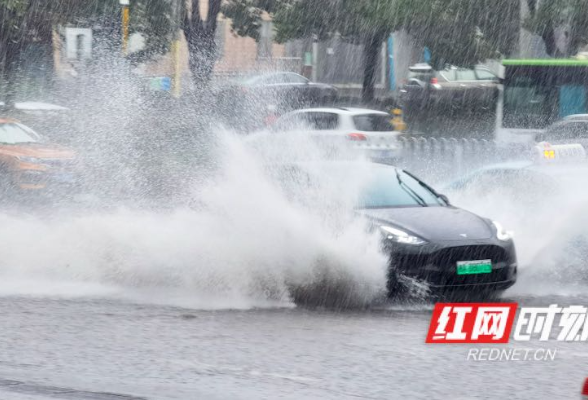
(371, 131)
(570, 129)
(449, 89)
(247, 101)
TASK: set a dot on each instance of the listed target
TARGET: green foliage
(294, 19)
(24, 21)
(570, 15)
(460, 32)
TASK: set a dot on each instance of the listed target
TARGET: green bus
(537, 92)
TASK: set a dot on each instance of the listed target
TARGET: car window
(273, 79)
(484, 75)
(466, 75)
(320, 121)
(295, 78)
(384, 190)
(17, 133)
(448, 74)
(373, 123)
(420, 76)
(288, 122)
(304, 120)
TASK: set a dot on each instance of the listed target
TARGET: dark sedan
(250, 99)
(428, 239)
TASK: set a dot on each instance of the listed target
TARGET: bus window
(572, 100)
(527, 105)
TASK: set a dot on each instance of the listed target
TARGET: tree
(460, 32)
(200, 34)
(367, 22)
(23, 22)
(569, 16)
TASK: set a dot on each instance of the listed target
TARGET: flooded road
(193, 299)
(92, 348)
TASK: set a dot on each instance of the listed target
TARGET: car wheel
(397, 289)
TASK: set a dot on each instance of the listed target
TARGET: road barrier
(448, 157)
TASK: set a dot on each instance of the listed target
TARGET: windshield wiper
(429, 188)
(409, 190)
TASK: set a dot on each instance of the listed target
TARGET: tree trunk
(200, 35)
(9, 69)
(548, 36)
(371, 52)
(202, 57)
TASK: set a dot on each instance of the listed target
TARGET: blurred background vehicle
(450, 89)
(571, 129)
(249, 100)
(28, 163)
(371, 131)
(553, 171)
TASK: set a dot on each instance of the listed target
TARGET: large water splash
(549, 219)
(239, 242)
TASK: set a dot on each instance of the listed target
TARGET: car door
(469, 92)
(451, 92)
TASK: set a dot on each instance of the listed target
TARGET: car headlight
(29, 160)
(501, 233)
(400, 236)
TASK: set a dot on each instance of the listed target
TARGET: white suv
(368, 130)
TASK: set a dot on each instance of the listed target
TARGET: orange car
(29, 163)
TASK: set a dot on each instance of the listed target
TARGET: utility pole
(177, 71)
(125, 25)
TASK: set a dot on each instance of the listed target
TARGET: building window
(264, 45)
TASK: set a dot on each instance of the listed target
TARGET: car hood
(434, 223)
(36, 150)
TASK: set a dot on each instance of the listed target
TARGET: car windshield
(13, 133)
(361, 186)
(390, 188)
(373, 123)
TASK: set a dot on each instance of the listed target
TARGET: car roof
(554, 170)
(343, 110)
(36, 106)
(576, 117)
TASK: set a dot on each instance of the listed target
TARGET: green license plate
(474, 267)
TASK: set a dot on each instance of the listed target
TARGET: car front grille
(440, 267)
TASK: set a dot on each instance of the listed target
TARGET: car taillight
(270, 119)
(434, 81)
(357, 136)
(585, 389)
